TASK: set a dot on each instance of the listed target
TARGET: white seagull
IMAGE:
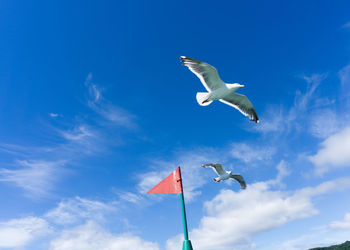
(217, 89)
(224, 175)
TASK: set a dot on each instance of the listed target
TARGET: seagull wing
(217, 168)
(205, 72)
(242, 103)
(240, 179)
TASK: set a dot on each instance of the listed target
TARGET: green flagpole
(187, 243)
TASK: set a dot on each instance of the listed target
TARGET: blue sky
(96, 108)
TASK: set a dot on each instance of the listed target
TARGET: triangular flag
(170, 185)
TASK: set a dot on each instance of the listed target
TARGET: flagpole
(187, 243)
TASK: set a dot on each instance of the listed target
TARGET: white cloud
(341, 225)
(35, 177)
(71, 211)
(19, 232)
(234, 217)
(251, 154)
(92, 236)
(335, 153)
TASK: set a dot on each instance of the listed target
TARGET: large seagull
(217, 89)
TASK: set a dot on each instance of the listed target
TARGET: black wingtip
(254, 116)
(183, 58)
(253, 119)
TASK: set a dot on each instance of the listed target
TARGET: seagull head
(234, 86)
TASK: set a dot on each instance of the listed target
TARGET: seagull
(224, 175)
(217, 89)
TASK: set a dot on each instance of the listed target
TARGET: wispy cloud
(36, 177)
(273, 120)
(131, 197)
(285, 120)
(324, 123)
(283, 171)
(39, 168)
(53, 115)
(344, 76)
(78, 134)
(81, 139)
(75, 210)
(107, 110)
(252, 154)
(14, 149)
(303, 101)
(94, 90)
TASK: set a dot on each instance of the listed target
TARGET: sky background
(96, 108)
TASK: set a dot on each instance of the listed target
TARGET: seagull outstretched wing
(241, 103)
(240, 179)
(217, 167)
(205, 72)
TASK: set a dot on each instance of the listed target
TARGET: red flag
(170, 185)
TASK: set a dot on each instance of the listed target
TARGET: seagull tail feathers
(201, 97)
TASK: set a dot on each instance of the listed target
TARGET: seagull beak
(242, 86)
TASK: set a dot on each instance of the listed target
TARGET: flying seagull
(224, 175)
(217, 89)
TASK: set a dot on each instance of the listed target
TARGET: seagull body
(224, 175)
(218, 90)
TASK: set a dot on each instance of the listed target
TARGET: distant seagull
(224, 175)
(217, 89)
